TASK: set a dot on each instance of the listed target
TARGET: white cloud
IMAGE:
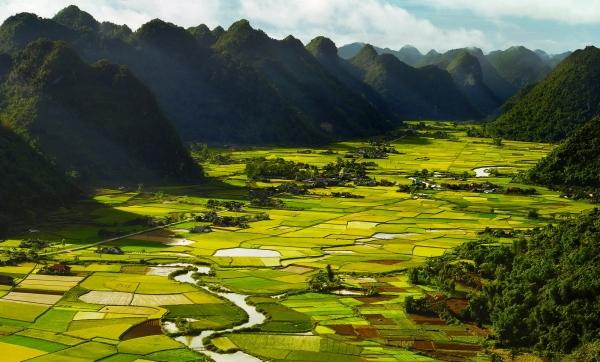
(131, 12)
(374, 21)
(379, 22)
(565, 11)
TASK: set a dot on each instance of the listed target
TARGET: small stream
(196, 342)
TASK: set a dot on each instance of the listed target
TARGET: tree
(533, 214)
(324, 281)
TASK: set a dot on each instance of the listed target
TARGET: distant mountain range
(427, 92)
(240, 86)
(503, 72)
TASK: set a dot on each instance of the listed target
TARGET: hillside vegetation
(427, 92)
(575, 163)
(97, 123)
(555, 107)
(29, 184)
(217, 86)
(519, 66)
(541, 293)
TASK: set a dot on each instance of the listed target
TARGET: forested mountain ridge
(490, 77)
(94, 121)
(504, 72)
(420, 93)
(326, 53)
(29, 184)
(209, 91)
(328, 104)
(575, 163)
(555, 107)
(468, 75)
(519, 66)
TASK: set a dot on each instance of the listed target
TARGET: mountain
(519, 66)
(490, 77)
(94, 121)
(29, 184)
(210, 96)
(326, 53)
(76, 19)
(408, 53)
(575, 163)
(467, 74)
(5, 65)
(203, 35)
(350, 50)
(418, 93)
(212, 91)
(19, 30)
(556, 106)
(555, 59)
(325, 104)
(552, 59)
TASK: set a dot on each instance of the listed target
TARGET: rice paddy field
(111, 307)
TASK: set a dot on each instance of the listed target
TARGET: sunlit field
(112, 306)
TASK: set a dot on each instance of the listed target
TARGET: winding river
(196, 343)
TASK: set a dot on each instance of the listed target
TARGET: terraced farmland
(118, 293)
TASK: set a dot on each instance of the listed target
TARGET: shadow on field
(414, 141)
(209, 187)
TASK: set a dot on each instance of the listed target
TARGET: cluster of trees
(202, 153)
(263, 168)
(489, 187)
(231, 221)
(34, 244)
(346, 195)
(15, 257)
(264, 197)
(541, 292)
(345, 170)
(574, 166)
(472, 187)
(435, 306)
(324, 281)
(228, 205)
(376, 151)
(513, 190)
(338, 172)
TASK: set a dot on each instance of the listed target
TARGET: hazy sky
(552, 25)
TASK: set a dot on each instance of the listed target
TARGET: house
(56, 269)
(115, 250)
(200, 229)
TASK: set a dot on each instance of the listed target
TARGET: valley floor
(111, 307)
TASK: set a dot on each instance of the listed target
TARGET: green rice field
(112, 306)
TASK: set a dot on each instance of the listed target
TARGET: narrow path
(81, 247)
